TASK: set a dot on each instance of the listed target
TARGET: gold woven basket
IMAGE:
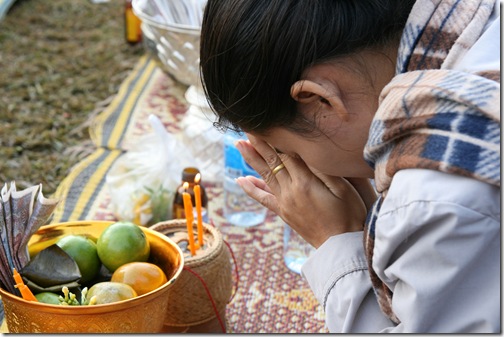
(204, 287)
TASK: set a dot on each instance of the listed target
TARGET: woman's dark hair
(252, 51)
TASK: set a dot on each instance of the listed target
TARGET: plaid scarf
(431, 117)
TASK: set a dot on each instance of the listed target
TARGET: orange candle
(197, 195)
(189, 219)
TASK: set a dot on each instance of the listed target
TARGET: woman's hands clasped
(315, 205)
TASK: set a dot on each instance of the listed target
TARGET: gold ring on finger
(278, 168)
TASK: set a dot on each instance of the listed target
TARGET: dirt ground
(61, 63)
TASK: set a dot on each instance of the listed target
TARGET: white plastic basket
(171, 31)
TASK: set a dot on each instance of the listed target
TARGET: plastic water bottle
(296, 250)
(239, 209)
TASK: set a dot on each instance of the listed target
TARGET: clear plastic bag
(142, 182)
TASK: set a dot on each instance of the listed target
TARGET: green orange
(48, 297)
(84, 251)
(120, 243)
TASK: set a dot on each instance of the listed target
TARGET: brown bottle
(132, 30)
(188, 175)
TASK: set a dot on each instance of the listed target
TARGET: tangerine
(120, 243)
(83, 250)
(141, 276)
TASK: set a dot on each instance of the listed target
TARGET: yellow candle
(197, 195)
(189, 220)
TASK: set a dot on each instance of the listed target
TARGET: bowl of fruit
(94, 277)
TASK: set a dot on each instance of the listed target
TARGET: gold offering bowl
(143, 314)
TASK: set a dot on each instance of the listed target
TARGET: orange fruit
(141, 276)
(120, 243)
(83, 250)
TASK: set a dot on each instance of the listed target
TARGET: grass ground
(61, 62)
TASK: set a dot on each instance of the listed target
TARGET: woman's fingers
(257, 189)
(263, 159)
(291, 165)
(269, 155)
(259, 183)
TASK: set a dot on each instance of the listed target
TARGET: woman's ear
(310, 92)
